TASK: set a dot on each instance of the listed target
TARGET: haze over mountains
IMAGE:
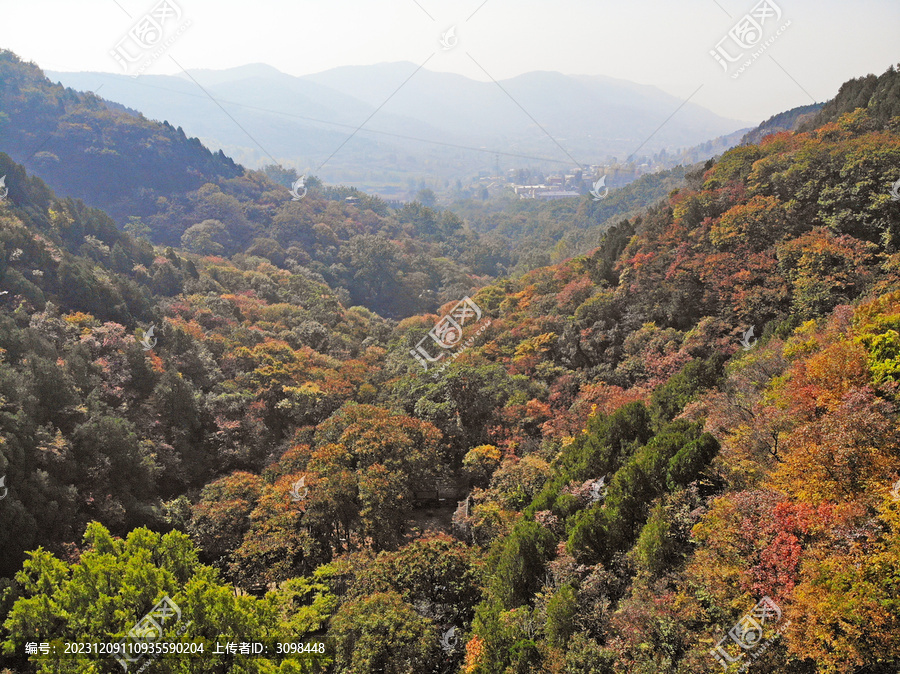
(301, 121)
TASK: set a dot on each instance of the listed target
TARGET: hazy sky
(665, 43)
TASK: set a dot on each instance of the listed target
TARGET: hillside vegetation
(639, 469)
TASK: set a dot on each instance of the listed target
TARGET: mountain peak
(248, 71)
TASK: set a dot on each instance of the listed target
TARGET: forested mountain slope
(121, 157)
(876, 93)
(769, 477)
(98, 427)
(397, 261)
(784, 121)
(163, 186)
(642, 469)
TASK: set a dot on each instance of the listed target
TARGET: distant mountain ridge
(604, 107)
(302, 120)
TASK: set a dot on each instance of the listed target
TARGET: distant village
(535, 185)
